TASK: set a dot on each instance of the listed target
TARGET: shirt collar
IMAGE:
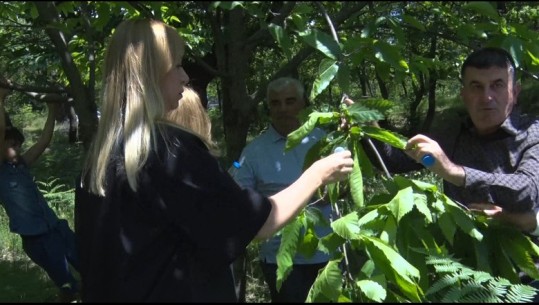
(274, 135)
(511, 125)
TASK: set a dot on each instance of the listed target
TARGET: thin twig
(378, 157)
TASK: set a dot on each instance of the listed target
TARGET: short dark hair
(488, 57)
(15, 134)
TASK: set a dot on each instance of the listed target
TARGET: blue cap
(236, 164)
(428, 160)
(338, 149)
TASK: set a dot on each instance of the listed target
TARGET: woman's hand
(335, 167)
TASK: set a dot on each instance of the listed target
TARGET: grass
(24, 281)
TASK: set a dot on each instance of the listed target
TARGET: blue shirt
(28, 212)
(266, 167)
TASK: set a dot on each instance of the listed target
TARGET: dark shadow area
(23, 281)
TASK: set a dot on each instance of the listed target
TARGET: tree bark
(83, 103)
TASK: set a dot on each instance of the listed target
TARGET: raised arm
(289, 202)
(34, 152)
(3, 93)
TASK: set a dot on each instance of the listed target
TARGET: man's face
(284, 108)
(489, 96)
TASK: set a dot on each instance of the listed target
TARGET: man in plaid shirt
(490, 163)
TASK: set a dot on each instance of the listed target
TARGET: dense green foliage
(392, 237)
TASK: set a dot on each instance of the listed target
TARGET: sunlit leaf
(327, 71)
(347, 226)
(392, 138)
(287, 249)
(356, 181)
(372, 290)
(295, 137)
(327, 284)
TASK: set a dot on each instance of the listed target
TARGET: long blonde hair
(139, 54)
(191, 115)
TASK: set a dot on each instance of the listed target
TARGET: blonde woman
(190, 114)
(157, 218)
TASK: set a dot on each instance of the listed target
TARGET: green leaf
(369, 217)
(343, 77)
(330, 243)
(356, 181)
(387, 53)
(364, 162)
(282, 39)
(314, 153)
(315, 217)
(484, 8)
(402, 204)
(327, 71)
(333, 192)
(421, 204)
(295, 137)
(287, 249)
(505, 266)
(372, 290)
(322, 42)
(389, 231)
(379, 104)
(362, 114)
(227, 5)
(413, 22)
(425, 186)
(328, 283)
(515, 47)
(347, 226)
(392, 138)
(33, 12)
(394, 266)
(464, 222)
(308, 244)
(520, 248)
(535, 60)
(448, 227)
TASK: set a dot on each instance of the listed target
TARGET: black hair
(15, 134)
(488, 57)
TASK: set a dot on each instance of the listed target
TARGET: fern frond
(520, 293)
(446, 281)
(456, 294)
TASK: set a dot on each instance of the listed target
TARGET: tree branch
(263, 33)
(144, 11)
(307, 51)
(49, 98)
(16, 87)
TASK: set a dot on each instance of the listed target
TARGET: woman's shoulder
(175, 142)
(171, 131)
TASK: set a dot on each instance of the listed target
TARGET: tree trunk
(432, 104)
(432, 87)
(418, 96)
(383, 88)
(83, 103)
(73, 135)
